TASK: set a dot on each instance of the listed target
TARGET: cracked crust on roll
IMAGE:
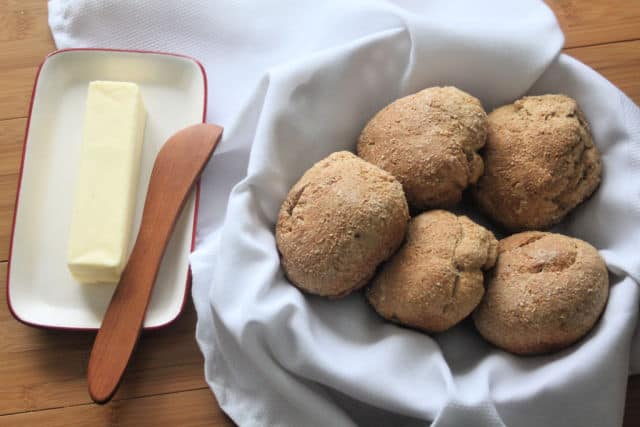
(435, 280)
(429, 142)
(545, 293)
(540, 162)
(339, 222)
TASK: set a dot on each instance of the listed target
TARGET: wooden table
(42, 373)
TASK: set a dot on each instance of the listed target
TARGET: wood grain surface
(43, 373)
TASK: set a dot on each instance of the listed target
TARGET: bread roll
(435, 280)
(429, 142)
(545, 293)
(340, 220)
(540, 162)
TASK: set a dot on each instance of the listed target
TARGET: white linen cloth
(293, 81)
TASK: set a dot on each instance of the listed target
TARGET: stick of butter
(107, 182)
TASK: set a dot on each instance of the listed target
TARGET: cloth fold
(293, 81)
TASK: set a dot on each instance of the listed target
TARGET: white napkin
(293, 81)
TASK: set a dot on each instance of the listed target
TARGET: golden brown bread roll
(546, 292)
(340, 220)
(435, 280)
(429, 142)
(540, 162)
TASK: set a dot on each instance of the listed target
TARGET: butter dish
(40, 289)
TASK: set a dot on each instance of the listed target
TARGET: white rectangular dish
(40, 288)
